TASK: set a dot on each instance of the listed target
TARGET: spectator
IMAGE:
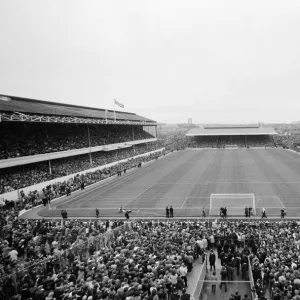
(214, 280)
(212, 260)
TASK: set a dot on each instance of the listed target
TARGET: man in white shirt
(183, 272)
(212, 241)
(13, 255)
(205, 243)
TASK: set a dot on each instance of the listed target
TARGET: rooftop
(216, 130)
(18, 105)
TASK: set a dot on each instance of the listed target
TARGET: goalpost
(235, 204)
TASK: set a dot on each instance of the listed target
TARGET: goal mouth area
(234, 203)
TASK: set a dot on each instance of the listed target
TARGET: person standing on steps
(214, 280)
(171, 212)
(237, 296)
(223, 278)
(263, 213)
(212, 260)
(82, 185)
(97, 212)
(185, 295)
(167, 212)
(183, 272)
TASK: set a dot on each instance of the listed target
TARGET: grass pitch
(186, 179)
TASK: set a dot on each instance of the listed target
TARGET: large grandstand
(85, 162)
(43, 141)
(243, 136)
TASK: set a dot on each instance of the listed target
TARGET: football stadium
(149, 150)
(109, 174)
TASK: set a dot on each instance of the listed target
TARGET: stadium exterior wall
(19, 161)
(14, 195)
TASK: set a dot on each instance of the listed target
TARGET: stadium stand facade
(240, 136)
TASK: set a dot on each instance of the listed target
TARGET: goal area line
(220, 204)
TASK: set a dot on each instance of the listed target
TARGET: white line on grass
(108, 208)
(184, 202)
(279, 200)
(139, 194)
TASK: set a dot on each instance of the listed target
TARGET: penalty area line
(184, 202)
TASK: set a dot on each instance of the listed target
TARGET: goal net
(235, 204)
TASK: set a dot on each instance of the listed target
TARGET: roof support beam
(21, 117)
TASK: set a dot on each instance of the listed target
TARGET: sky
(209, 60)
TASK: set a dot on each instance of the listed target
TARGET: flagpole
(115, 109)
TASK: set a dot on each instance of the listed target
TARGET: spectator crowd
(19, 177)
(239, 141)
(73, 259)
(23, 139)
(70, 260)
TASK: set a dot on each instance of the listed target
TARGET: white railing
(199, 285)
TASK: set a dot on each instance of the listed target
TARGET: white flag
(119, 104)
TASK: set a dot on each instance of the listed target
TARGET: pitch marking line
(260, 198)
(115, 208)
(279, 201)
(140, 194)
(184, 202)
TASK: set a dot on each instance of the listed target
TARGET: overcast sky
(213, 61)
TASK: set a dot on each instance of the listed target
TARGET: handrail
(198, 288)
(251, 280)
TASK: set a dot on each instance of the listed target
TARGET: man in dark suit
(167, 212)
(97, 212)
(212, 260)
(246, 212)
(82, 185)
(171, 212)
(68, 191)
(223, 278)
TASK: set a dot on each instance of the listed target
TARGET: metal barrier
(252, 286)
(198, 288)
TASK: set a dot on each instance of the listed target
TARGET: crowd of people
(19, 177)
(44, 259)
(239, 141)
(66, 260)
(204, 142)
(22, 139)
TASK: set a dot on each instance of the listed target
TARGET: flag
(119, 104)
